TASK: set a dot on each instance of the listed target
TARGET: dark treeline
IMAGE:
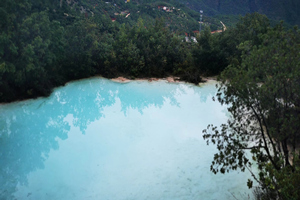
(41, 47)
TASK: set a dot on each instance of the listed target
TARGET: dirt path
(223, 26)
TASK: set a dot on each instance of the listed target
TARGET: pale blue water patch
(97, 139)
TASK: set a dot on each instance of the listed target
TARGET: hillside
(44, 44)
(288, 10)
(178, 17)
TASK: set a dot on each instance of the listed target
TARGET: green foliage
(262, 94)
(43, 45)
(145, 51)
(208, 53)
(250, 27)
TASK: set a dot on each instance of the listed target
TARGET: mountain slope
(177, 16)
(288, 10)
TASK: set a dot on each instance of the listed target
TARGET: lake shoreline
(120, 79)
(169, 79)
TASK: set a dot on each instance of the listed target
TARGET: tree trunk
(286, 152)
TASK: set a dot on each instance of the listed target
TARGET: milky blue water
(100, 140)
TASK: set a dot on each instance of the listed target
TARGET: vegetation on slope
(43, 45)
(277, 10)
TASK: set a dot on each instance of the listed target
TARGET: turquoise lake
(95, 139)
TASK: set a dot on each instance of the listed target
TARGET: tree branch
(264, 138)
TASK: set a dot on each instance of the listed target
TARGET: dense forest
(43, 45)
(46, 44)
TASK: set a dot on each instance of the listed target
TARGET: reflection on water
(96, 139)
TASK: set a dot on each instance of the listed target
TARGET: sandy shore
(211, 78)
(170, 79)
(121, 79)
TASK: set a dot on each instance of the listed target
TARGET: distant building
(194, 39)
(191, 39)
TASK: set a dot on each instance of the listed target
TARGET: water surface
(96, 139)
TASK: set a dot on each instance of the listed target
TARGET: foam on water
(97, 139)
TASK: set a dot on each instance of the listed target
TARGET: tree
(263, 97)
(210, 53)
(250, 27)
